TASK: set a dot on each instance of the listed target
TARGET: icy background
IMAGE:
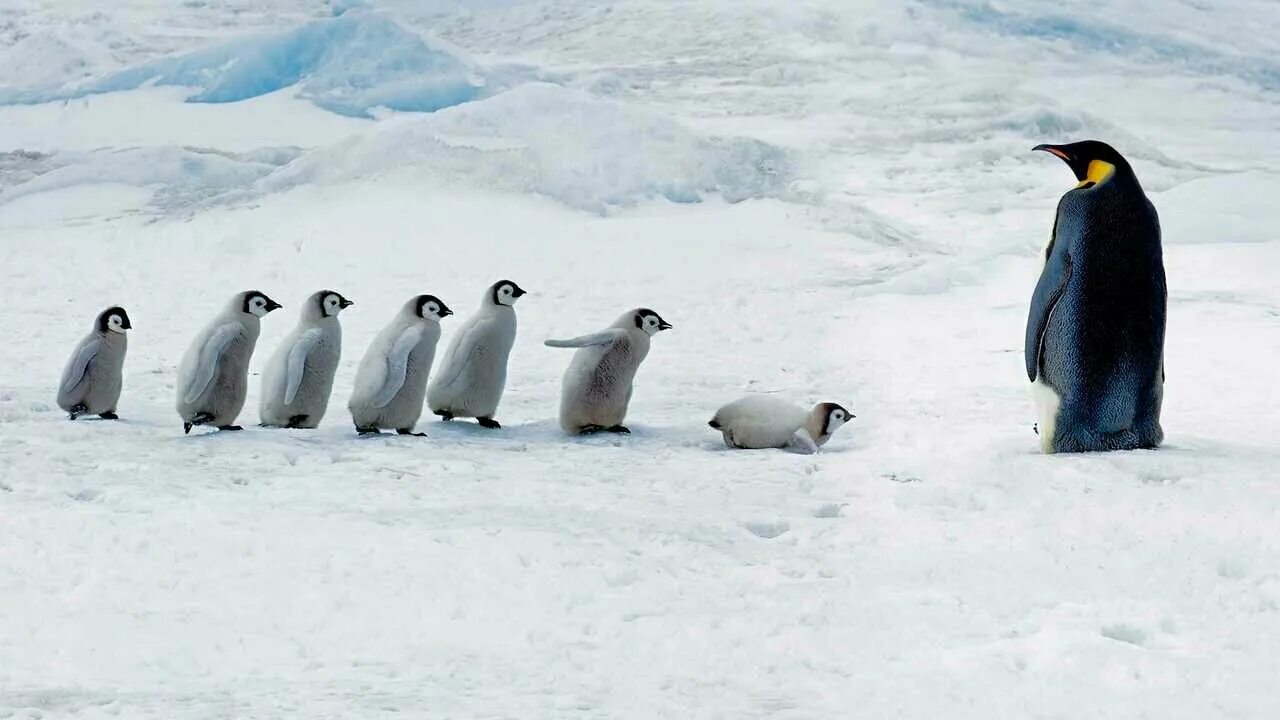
(830, 200)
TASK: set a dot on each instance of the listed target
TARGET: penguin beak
(273, 305)
(345, 303)
(1085, 169)
(664, 325)
(518, 291)
(445, 312)
(1053, 150)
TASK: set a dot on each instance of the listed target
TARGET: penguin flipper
(79, 365)
(210, 356)
(459, 353)
(802, 443)
(397, 365)
(298, 362)
(604, 337)
(1049, 289)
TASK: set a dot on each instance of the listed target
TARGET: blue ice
(348, 64)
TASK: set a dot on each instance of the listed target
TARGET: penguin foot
(445, 415)
(109, 415)
(230, 428)
(76, 411)
(363, 431)
(203, 418)
(409, 432)
(590, 429)
(296, 421)
(488, 422)
(619, 429)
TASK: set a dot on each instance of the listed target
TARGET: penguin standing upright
(597, 385)
(213, 378)
(1095, 332)
(299, 377)
(93, 377)
(391, 382)
(474, 371)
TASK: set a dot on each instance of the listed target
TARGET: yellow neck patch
(1098, 173)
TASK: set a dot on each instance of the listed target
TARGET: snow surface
(587, 152)
(829, 200)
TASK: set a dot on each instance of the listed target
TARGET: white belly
(1047, 402)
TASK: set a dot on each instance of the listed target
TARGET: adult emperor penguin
(93, 377)
(760, 421)
(471, 381)
(597, 386)
(1095, 333)
(392, 379)
(214, 375)
(299, 377)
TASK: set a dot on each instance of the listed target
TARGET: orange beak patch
(1057, 152)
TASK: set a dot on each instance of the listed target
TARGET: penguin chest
(1047, 403)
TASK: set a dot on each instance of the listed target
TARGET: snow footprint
(1125, 633)
(767, 529)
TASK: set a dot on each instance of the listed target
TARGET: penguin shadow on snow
(718, 446)
(271, 437)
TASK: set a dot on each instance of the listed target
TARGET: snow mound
(1090, 35)
(347, 64)
(180, 176)
(1231, 208)
(584, 151)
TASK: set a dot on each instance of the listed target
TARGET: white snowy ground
(929, 564)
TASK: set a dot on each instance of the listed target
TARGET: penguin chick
(1094, 345)
(93, 377)
(474, 372)
(392, 380)
(214, 375)
(299, 377)
(597, 385)
(760, 421)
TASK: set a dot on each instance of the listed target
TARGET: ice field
(828, 200)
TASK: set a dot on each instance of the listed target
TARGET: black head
(113, 319)
(331, 302)
(505, 292)
(1091, 161)
(257, 304)
(650, 322)
(833, 416)
(431, 307)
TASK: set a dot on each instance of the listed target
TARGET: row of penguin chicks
(391, 382)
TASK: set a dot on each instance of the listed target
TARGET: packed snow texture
(350, 64)
(888, 229)
(179, 176)
(584, 151)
